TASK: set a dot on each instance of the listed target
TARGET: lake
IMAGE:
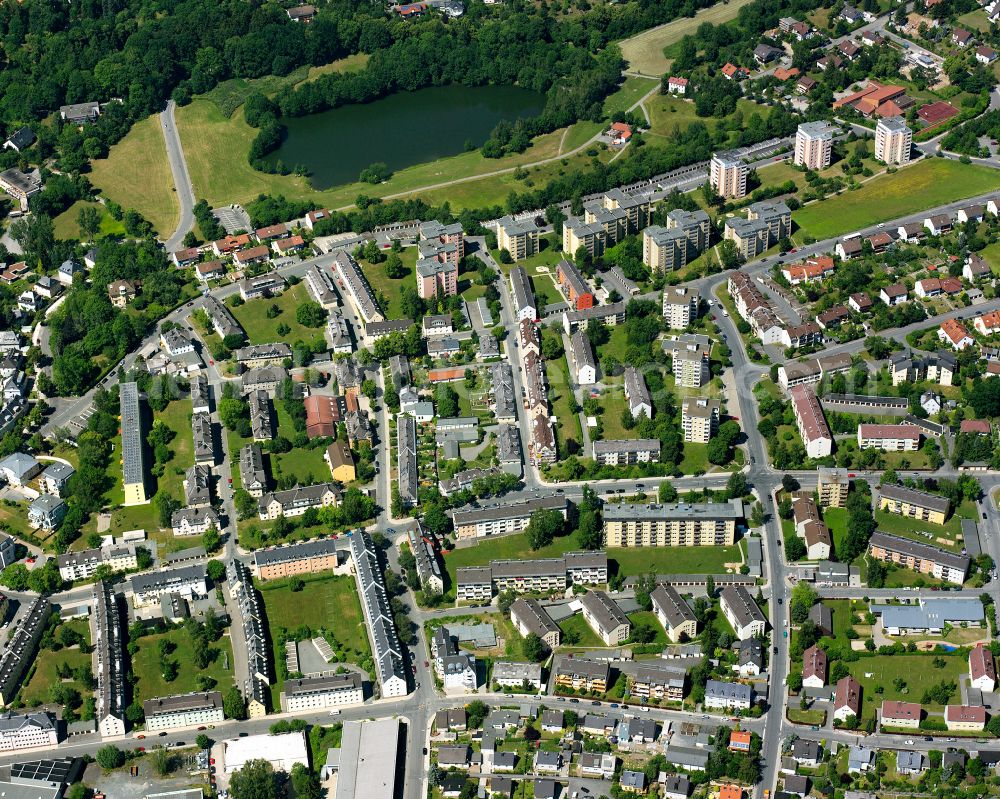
(400, 130)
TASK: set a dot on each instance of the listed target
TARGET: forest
(134, 55)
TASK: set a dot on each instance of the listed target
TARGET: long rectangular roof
(520, 287)
(731, 510)
(510, 510)
(182, 703)
(931, 613)
(895, 543)
(162, 579)
(368, 754)
(533, 616)
(912, 496)
(288, 554)
(672, 605)
(742, 605)
(387, 651)
(131, 429)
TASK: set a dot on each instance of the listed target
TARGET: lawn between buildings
(304, 464)
(42, 677)
(327, 605)
(926, 184)
(150, 682)
(263, 329)
(390, 287)
(950, 530)
(916, 670)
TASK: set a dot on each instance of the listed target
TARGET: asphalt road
(182, 180)
(418, 707)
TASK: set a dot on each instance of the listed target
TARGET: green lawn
(836, 520)
(991, 254)
(579, 134)
(814, 717)
(694, 458)
(66, 225)
(262, 329)
(667, 112)
(545, 289)
(841, 609)
(583, 635)
(648, 618)
(628, 94)
(948, 536)
(613, 403)
(146, 666)
(494, 189)
(926, 184)
(136, 174)
(568, 426)
(327, 603)
(307, 465)
(177, 416)
(916, 670)
(975, 20)
(391, 287)
(36, 690)
(675, 560)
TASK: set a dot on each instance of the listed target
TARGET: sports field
(136, 174)
(926, 184)
(644, 52)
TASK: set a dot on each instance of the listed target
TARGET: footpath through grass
(628, 94)
(216, 147)
(136, 174)
(927, 184)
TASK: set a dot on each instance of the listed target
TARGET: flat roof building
(133, 443)
(368, 759)
(678, 524)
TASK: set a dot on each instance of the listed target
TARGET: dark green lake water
(400, 130)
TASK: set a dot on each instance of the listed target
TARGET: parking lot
(232, 218)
